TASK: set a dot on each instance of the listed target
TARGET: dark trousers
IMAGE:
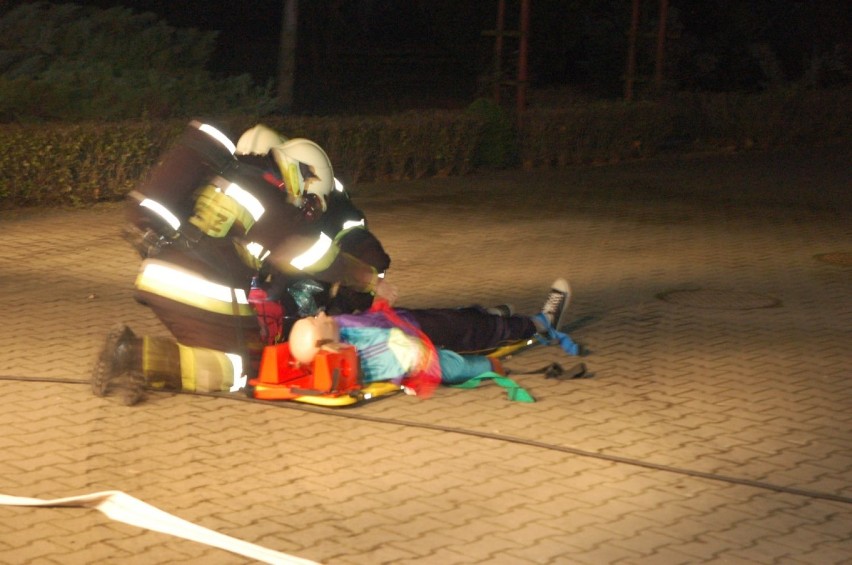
(471, 329)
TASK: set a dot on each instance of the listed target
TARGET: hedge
(85, 163)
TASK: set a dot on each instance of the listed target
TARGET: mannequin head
(309, 335)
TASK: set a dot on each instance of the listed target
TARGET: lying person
(421, 348)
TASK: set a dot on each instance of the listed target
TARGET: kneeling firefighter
(206, 225)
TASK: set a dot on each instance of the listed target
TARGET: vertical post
(498, 49)
(631, 52)
(659, 65)
(287, 54)
(523, 54)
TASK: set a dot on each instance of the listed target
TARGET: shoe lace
(553, 302)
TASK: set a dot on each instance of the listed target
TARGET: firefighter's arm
(356, 272)
(322, 259)
(351, 272)
(291, 246)
(361, 243)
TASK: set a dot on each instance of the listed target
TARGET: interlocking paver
(759, 394)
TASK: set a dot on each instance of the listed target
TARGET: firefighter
(329, 207)
(206, 224)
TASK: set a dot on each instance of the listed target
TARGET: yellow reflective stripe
(162, 212)
(218, 136)
(206, 370)
(292, 178)
(245, 199)
(187, 368)
(215, 213)
(316, 252)
(187, 288)
(347, 228)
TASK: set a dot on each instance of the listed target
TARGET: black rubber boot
(119, 366)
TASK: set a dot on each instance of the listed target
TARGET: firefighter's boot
(119, 366)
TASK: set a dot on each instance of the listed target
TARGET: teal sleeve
(457, 368)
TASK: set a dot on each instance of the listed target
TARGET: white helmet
(305, 168)
(308, 335)
(259, 140)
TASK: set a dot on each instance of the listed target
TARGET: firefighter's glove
(386, 290)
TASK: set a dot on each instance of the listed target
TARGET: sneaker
(502, 310)
(119, 365)
(557, 303)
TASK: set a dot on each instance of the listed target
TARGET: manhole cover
(719, 299)
(842, 259)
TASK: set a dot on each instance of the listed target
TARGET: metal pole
(498, 49)
(522, 59)
(659, 65)
(287, 54)
(631, 52)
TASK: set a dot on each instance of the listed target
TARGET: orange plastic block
(332, 374)
(337, 371)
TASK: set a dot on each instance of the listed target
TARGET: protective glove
(387, 291)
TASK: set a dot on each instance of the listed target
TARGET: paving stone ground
(717, 427)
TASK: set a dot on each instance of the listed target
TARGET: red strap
(274, 181)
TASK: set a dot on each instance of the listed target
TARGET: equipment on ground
(333, 379)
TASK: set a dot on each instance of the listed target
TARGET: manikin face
(310, 334)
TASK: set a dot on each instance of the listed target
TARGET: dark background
(396, 54)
